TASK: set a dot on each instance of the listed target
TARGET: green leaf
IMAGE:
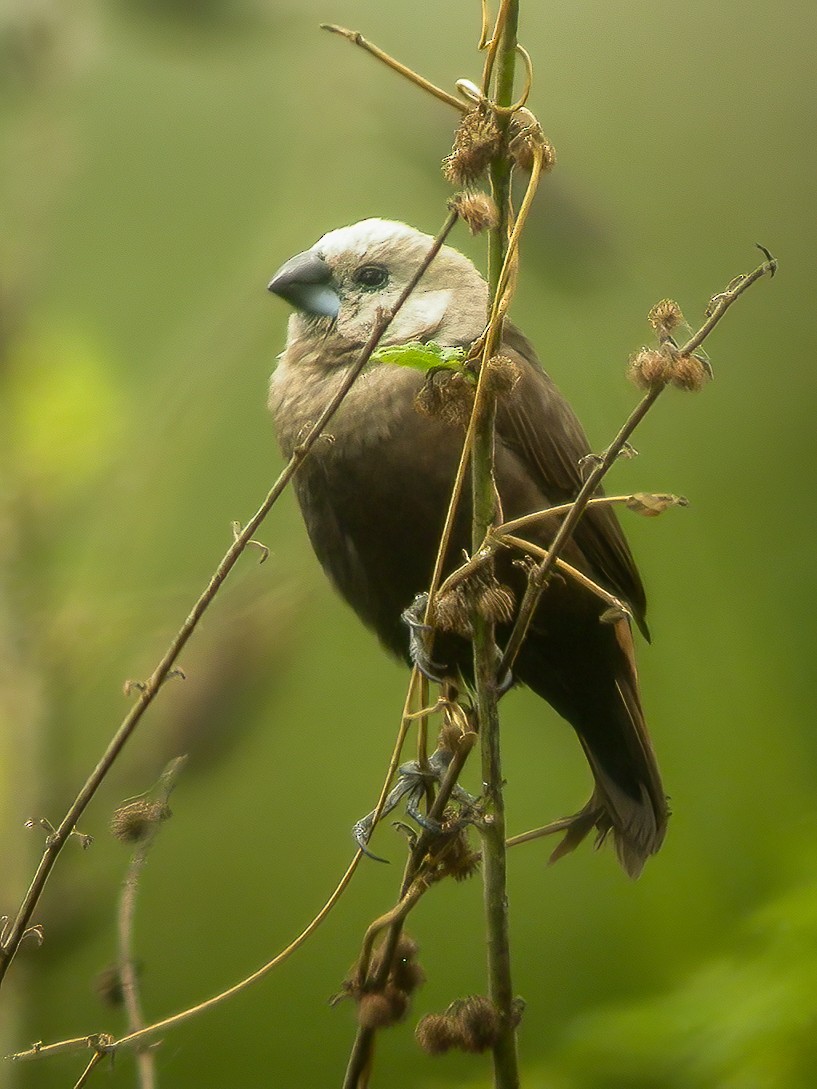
(421, 357)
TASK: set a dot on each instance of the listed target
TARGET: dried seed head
(478, 1023)
(451, 612)
(406, 948)
(460, 861)
(665, 316)
(526, 136)
(451, 733)
(408, 975)
(447, 396)
(132, 822)
(503, 375)
(476, 142)
(477, 210)
(650, 367)
(433, 1034)
(651, 504)
(405, 974)
(495, 602)
(688, 373)
(381, 1009)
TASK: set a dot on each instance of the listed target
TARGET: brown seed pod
(478, 1023)
(649, 367)
(687, 372)
(476, 209)
(380, 1009)
(665, 316)
(134, 820)
(525, 136)
(446, 395)
(476, 142)
(405, 974)
(495, 602)
(460, 860)
(503, 375)
(452, 612)
(433, 1034)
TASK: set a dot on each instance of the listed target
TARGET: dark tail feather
(628, 799)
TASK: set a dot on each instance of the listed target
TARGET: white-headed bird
(374, 500)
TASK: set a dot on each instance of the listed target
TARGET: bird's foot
(412, 782)
(420, 638)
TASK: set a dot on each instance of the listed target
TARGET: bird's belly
(375, 516)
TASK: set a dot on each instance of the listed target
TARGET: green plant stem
(506, 1072)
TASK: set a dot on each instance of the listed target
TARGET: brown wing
(537, 423)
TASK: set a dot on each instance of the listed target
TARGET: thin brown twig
(150, 689)
(150, 1032)
(492, 45)
(361, 1055)
(551, 512)
(537, 580)
(578, 576)
(491, 339)
(95, 1060)
(97, 1040)
(128, 976)
(357, 38)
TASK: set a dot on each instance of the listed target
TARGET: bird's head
(351, 273)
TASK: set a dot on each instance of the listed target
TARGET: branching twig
(578, 576)
(148, 692)
(95, 1060)
(357, 38)
(128, 976)
(360, 1057)
(537, 581)
(144, 1035)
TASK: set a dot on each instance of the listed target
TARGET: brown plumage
(374, 499)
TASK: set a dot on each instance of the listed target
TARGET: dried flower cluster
(379, 1006)
(447, 395)
(134, 820)
(469, 1024)
(661, 366)
(476, 142)
(476, 209)
(525, 139)
(481, 592)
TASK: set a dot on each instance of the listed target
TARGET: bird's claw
(505, 683)
(419, 640)
(411, 784)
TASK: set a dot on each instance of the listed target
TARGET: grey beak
(305, 281)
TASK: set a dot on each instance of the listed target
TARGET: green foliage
(421, 357)
(743, 1020)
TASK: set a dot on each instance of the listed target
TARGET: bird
(374, 493)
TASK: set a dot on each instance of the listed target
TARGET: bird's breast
(375, 410)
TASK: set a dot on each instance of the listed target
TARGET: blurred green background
(160, 159)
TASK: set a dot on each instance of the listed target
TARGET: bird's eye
(371, 276)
